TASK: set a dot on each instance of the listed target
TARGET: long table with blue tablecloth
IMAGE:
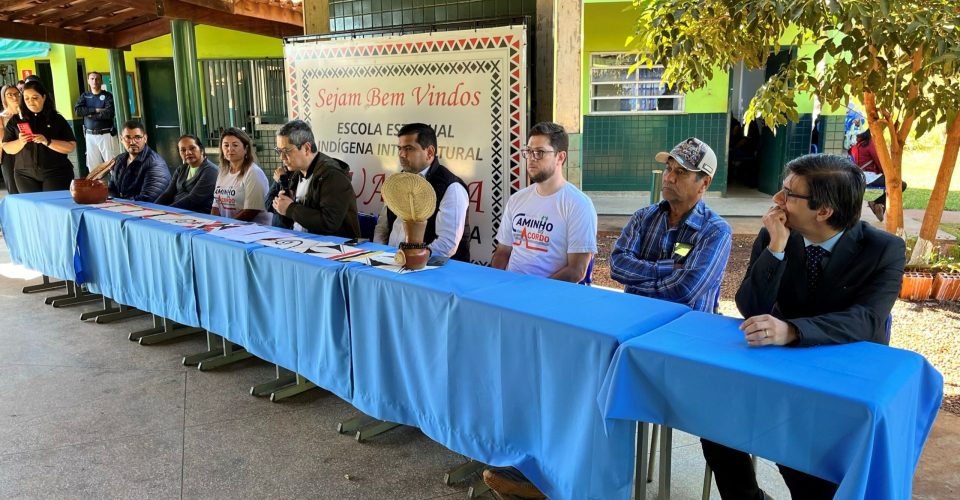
(501, 367)
(855, 414)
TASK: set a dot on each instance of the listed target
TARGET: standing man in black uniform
(96, 108)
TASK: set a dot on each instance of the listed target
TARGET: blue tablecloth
(284, 307)
(856, 414)
(500, 367)
(41, 232)
(140, 263)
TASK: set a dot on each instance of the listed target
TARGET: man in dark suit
(817, 275)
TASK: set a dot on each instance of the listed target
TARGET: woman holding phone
(40, 139)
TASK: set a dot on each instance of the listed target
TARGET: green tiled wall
(831, 133)
(618, 151)
(347, 15)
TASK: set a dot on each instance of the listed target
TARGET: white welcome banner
(469, 85)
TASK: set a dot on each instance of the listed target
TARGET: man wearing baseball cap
(677, 249)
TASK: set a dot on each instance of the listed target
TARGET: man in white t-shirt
(550, 227)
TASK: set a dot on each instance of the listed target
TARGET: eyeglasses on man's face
(285, 151)
(536, 154)
(790, 194)
(134, 138)
(13, 94)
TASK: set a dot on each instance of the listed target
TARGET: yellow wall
(212, 43)
(606, 27)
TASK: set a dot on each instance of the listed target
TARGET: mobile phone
(25, 128)
(284, 184)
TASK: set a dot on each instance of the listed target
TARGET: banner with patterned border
(470, 86)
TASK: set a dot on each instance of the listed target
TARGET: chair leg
(640, 464)
(707, 481)
(666, 461)
(651, 463)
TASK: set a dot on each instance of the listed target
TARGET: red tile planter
(916, 286)
(946, 287)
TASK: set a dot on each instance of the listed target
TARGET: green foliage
(920, 198)
(933, 140)
(861, 46)
(945, 257)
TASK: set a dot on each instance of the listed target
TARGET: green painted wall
(606, 27)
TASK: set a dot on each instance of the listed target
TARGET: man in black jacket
(140, 173)
(319, 198)
(448, 230)
(817, 276)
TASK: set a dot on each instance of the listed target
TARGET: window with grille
(615, 90)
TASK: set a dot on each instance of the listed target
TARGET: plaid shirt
(645, 256)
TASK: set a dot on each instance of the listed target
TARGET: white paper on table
(182, 220)
(145, 212)
(249, 233)
(335, 251)
(106, 204)
(386, 262)
(216, 225)
(123, 208)
(291, 243)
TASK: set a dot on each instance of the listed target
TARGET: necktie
(815, 255)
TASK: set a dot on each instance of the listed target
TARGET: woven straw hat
(409, 196)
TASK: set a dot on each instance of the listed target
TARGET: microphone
(285, 183)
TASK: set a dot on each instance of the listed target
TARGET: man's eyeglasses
(285, 151)
(12, 94)
(536, 154)
(791, 194)
(133, 138)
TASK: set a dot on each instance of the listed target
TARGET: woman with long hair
(40, 140)
(241, 184)
(10, 105)
(194, 181)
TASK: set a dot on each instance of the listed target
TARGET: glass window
(614, 89)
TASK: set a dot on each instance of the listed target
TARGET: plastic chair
(368, 222)
(588, 278)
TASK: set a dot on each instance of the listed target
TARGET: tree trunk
(923, 250)
(891, 159)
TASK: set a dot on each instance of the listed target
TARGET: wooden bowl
(88, 192)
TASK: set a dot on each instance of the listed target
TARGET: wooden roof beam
(130, 22)
(82, 19)
(61, 13)
(141, 33)
(268, 12)
(21, 31)
(176, 9)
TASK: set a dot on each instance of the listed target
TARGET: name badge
(682, 249)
